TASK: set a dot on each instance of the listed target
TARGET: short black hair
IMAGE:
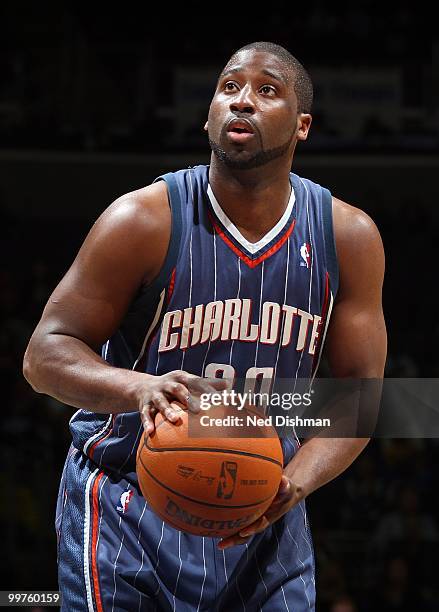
(302, 81)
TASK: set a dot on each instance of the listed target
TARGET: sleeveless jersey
(222, 306)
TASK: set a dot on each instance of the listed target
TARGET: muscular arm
(356, 341)
(125, 248)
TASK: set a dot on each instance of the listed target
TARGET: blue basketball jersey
(221, 306)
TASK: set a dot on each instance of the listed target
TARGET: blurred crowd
(70, 84)
(376, 533)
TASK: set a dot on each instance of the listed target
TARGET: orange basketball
(210, 486)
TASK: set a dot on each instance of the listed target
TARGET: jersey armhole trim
(163, 278)
(329, 236)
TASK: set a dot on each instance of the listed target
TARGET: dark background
(97, 101)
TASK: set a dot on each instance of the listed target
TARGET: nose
(243, 102)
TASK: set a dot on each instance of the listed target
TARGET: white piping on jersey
(190, 263)
(303, 565)
(151, 327)
(143, 554)
(305, 520)
(190, 292)
(135, 578)
(116, 560)
(285, 600)
(214, 297)
(236, 580)
(328, 316)
(104, 480)
(310, 276)
(88, 589)
(282, 566)
(239, 291)
(157, 555)
(179, 569)
(204, 579)
(72, 417)
(285, 301)
(136, 442)
(277, 552)
(251, 247)
(135, 446)
(259, 571)
(97, 435)
(225, 569)
(240, 595)
(260, 310)
(283, 323)
(107, 344)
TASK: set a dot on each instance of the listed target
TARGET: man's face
(253, 115)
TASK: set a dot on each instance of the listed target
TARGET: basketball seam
(212, 450)
(201, 503)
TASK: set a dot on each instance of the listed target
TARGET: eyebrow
(273, 75)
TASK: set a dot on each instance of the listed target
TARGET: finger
(194, 404)
(178, 391)
(257, 527)
(285, 490)
(207, 385)
(284, 485)
(220, 384)
(163, 406)
(147, 414)
(182, 377)
(234, 540)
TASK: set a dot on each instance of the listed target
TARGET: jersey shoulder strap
(148, 306)
(329, 237)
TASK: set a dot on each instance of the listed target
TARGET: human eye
(267, 90)
(230, 86)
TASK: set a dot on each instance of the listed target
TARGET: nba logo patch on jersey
(305, 254)
(125, 499)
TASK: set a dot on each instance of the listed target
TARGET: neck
(254, 200)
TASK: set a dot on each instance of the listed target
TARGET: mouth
(240, 130)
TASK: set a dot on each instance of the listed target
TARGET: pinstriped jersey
(223, 306)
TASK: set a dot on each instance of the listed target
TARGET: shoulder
(135, 227)
(360, 251)
(144, 209)
(353, 227)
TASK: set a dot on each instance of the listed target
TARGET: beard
(260, 158)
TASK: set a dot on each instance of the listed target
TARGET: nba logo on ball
(305, 254)
(227, 479)
(173, 469)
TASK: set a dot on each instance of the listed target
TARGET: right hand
(160, 391)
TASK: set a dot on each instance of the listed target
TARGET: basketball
(210, 486)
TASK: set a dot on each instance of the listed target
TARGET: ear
(304, 121)
(206, 126)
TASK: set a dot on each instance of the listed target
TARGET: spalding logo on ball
(208, 486)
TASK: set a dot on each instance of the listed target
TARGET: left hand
(287, 496)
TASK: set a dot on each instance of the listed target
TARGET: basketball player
(237, 269)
